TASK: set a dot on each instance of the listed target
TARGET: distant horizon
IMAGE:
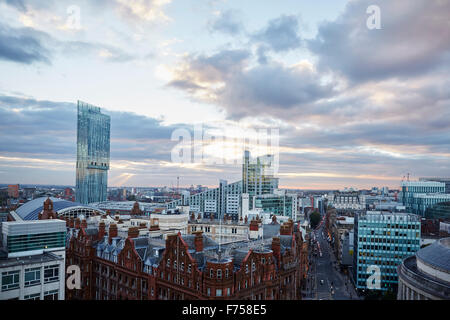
(346, 102)
(208, 186)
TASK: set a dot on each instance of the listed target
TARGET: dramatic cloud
(270, 89)
(227, 22)
(281, 34)
(23, 45)
(414, 38)
(30, 127)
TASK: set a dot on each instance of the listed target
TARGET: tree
(314, 218)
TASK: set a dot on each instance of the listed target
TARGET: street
(325, 281)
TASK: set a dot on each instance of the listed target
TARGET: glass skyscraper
(93, 146)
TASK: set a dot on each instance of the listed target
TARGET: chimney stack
(101, 230)
(112, 231)
(133, 232)
(198, 241)
(276, 249)
(77, 223)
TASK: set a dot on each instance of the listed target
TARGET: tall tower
(93, 146)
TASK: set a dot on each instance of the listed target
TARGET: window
(32, 277)
(189, 268)
(227, 273)
(182, 266)
(51, 295)
(219, 274)
(209, 291)
(10, 280)
(228, 291)
(211, 273)
(35, 296)
(218, 292)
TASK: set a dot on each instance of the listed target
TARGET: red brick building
(184, 267)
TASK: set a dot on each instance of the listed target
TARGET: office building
(383, 239)
(347, 200)
(279, 203)
(32, 260)
(418, 196)
(257, 179)
(93, 147)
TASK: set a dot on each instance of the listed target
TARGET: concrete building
(349, 200)
(426, 275)
(32, 260)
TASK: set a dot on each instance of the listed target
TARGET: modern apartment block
(418, 196)
(257, 180)
(382, 240)
(93, 148)
(32, 260)
(279, 203)
(258, 176)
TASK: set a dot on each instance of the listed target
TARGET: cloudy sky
(353, 106)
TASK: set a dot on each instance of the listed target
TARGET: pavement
(336, 286)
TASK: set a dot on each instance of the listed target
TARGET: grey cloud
(227, 22)
(30, 127)
(281, 34)
(271, 89)
(414, 38)
(23, 45)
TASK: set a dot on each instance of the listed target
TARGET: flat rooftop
(32, 259)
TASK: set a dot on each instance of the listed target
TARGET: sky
(346, 105)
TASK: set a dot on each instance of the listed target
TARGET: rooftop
(31, 209)
(437, 255)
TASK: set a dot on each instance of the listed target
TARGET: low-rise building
(426, 275)
(32, 260)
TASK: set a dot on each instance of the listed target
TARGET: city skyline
(346, 117)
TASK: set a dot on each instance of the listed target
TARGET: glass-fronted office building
(383, 240)
(278, 204)
(257, 179)
(418, 196)
(93, 149)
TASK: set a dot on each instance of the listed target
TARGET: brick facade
(181, 267)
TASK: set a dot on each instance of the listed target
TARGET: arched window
(168, 263)
(211, 273)
(219, 273)
(227, 273)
